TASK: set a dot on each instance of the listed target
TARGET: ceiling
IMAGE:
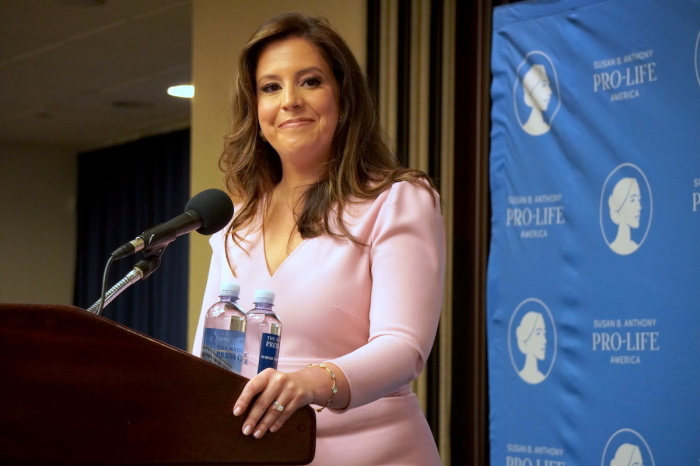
(85, 74)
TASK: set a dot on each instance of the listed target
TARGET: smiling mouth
(295, 122)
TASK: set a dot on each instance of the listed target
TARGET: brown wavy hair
(361, 164)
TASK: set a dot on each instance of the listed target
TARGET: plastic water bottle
(262, 336)
(224, 330)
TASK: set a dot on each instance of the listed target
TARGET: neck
(298, 170)
(294, 182)
(623, 232)
(530, 364)
(535, 117)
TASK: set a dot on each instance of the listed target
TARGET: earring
(340, 120)
(262, 136)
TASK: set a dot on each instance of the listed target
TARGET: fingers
(272, 397)
(254, 386)
(283, 415)
(274, 417)
(263, 414)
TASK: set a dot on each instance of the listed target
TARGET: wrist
(332, 381)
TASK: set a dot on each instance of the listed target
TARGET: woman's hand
(279, 394)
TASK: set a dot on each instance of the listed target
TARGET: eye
(270, 88)
(311, 82)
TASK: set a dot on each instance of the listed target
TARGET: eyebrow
(300, 72)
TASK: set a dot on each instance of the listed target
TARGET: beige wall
(37, 236)
(221, 28)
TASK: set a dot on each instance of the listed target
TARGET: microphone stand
(142, 269)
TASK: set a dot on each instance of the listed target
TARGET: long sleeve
(407, 260)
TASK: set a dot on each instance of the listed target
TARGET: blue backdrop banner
(593, 302)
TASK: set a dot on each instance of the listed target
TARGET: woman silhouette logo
(625, 201)
(627, 455)
(627, 447)
(534, 331)
(536, 94)
(532, 342)
(625, 208)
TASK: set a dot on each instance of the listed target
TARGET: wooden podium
(81, 389)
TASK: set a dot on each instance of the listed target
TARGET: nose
(291, 98)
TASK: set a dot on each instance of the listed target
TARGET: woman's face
(537, 343)
(542, 94)
(298, 107)
(631, 209)
(636, 459)
(537, 90)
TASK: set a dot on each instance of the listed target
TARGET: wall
(221, 28)
(37, 237)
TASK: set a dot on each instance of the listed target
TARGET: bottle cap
(264, 296)
(229, 289)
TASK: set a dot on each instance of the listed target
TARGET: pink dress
(373, 311)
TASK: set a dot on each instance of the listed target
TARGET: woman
(625, 205)
(627, 455)
(532, 342)
(352, 245)
(536, 93)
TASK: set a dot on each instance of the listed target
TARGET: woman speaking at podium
(351, 243)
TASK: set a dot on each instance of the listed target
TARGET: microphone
(207, 212)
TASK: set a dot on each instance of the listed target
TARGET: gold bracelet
(334, 388)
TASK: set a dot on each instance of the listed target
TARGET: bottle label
(224, 348)
(269, 351)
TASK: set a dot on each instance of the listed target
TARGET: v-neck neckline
(271, 273)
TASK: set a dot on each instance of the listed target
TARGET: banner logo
(625, 209)
(536, 93)
(531, 331)
(626, 340)
(622, 76)
(627, 448)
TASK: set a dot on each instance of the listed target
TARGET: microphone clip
(142, 270)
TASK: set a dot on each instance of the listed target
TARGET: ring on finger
(278, 406)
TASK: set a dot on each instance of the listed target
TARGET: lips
(294, 122)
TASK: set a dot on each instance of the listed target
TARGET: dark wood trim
(434, 166)
(373, 48)
(435, 78)
(403, 101)
(469, 426)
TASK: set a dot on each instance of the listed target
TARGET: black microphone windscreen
(214, 207)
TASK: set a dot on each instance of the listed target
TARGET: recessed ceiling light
(184, 90)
